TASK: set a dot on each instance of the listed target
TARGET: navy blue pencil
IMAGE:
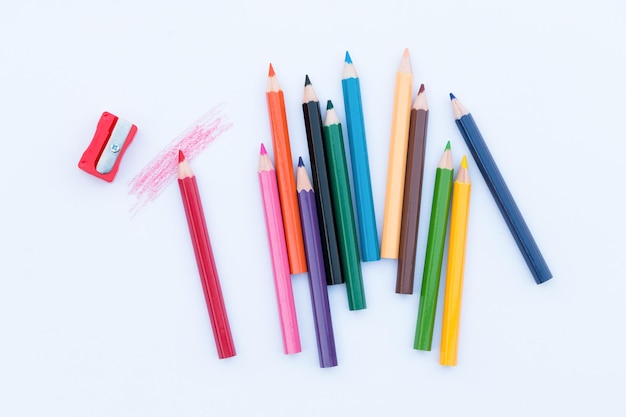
(500, 192)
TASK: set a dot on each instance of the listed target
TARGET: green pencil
(434, 252)
(341, 198)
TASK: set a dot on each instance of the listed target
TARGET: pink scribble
(162, 169)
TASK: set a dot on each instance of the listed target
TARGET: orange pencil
(285, 174)
(396, 168)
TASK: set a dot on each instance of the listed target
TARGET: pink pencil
(278, 252)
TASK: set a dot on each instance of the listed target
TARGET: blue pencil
(500, 192)
(366, 219)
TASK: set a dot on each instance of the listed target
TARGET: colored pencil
(397, 158)
(285, 173)
(456, 261)
(341, 198)
(359, 161)
(434, 252)
(315, 263)
(412, 194)
(500, 192)
(278, 252)
(204, 259)
(319, 170)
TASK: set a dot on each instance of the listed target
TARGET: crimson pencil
(315, 267)
(204, 259)
(278, 252)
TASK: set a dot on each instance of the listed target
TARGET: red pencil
(204, 258)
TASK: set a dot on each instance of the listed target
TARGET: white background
(102, 314)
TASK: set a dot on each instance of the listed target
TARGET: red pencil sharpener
(103, 155)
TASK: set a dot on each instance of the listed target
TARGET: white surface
(103, 315)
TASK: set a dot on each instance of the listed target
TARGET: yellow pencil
(456, 260)
(397, 158)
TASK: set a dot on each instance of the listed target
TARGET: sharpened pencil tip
(329, 105)
(181, 156)
(307, 81)
(448, 146)
(405, 63)
(464, 162)
(263, 150)
(348, 59)
(452, 97)
(271, 72)
(421, 89)
(300, 162)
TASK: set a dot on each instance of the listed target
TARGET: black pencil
(500, 191)
(319, 171)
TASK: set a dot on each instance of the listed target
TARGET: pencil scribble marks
(161, 170)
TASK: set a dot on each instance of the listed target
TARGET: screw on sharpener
(104, 154)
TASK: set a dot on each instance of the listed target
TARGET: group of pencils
(312, 227)
(316, 213)
(402, 216)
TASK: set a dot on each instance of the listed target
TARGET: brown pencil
(412, 194)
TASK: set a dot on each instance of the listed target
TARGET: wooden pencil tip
(329, 105)
(405, 63)
(348, 59)
(446, 158)
(300, 162)
(452, 97)
(181, 156)
(464, 162)
(307, 81)
(421, 89)
(271, 72)
(263, 150)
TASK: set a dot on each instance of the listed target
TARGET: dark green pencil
(434, 252)
(341, 198)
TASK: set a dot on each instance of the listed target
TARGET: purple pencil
(315, 270)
